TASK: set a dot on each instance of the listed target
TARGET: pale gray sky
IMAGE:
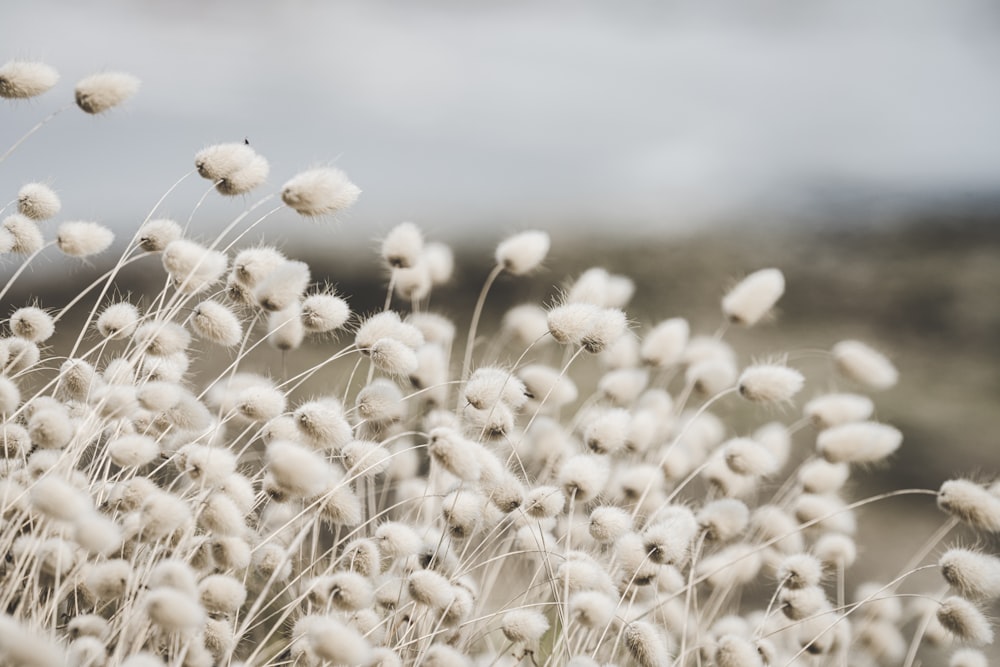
(468, 116)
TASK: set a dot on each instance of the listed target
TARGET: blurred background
(853, 144)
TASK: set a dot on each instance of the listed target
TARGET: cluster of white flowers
(571, 494)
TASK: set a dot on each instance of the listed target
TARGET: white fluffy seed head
(174, 611)
(669, 540)
(102, 92)
(285, 330)
(489, 386)
(243, 180)
(608, 431)
(324, 312)
(865, 365)
(192, 266)
(524, 625)
(58, 499)
(753, 297)
(723, 519)
(838, 408)
(737, 651)
(970, 502)
(965, 621)
(22, 79)
(592, 609)
(836, 550)
(37, 201)
(526, 323)
(746, 456)
(133, 450)
(162, 339)
(210, 466)
(393, 357)
(770, 383)
(261, 403)
(25, 238)
(799, 571)
(440, 262)
(664, 345)
(321, 422)
(544, 502)
(221, 161)
(10, 396)
(32, 324)
(430, 588)
(973, 574)
(646, 645)
(318, 192)
(156, 235)
(608, 523)
(222, 594)
(523, 253)
(858, 442)
(297, 470)
(968, 657)
(217, 324)
(82, 239)
(283, 286)
(402, 246)
(583, 477)
(821, 476)
(118, 321)
(547, 388)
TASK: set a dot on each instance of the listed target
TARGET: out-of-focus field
(925, 293)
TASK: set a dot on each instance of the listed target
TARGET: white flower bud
(754, 296)
(971, 503)
(25, 236)
(524, 625)
(317, 192)
(261, 403)
(858, 442)
(608, 523)
(324, 312)
(522, 253)
(217, 324)
(430, 588)
(583, 476)
(393, 356)
(298, 470)
(973, 574)
(81, 239)
(836, 409)
(133, 450)
(527, 324)
(770, 383)
(32, 324)
(192, 267)
(663, 346)
(800, 571)
(222, 594)
(101, 92)
(440, 262)
(285, 330)
(283, 287)
(37, 201)
(21, 79)
(322, 423)
(208, 466)
(156, 235)
(118, 321)
(864, 365)
(646, 645)
(962, 619)
(243, 180)
(174, 611)
(402, 246)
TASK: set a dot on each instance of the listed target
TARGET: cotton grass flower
(319, 192)
(82, 239)
(22, 79)
(37, 201)
(102, 92)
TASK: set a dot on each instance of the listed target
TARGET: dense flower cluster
(572, 493)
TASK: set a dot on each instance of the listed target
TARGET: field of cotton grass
(573, 488)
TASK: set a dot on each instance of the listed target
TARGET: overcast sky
(468, 116)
